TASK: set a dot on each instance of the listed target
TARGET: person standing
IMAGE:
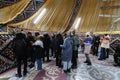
(116, 55)
(30, 48)
(19, 46)
(87, 48)
(96, 43)
(67, 53)
(53, 45)
(39, 51)
(58, 49)
(76, 43)
(105, 42)
(46, 43)
(108, 46)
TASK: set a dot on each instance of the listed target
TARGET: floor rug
(100, 70)
(51, 72)
(95, 72)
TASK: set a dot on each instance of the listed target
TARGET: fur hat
(39, 37)
(87, 33)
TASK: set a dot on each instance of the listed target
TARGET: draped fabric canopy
(56, 15)
(97, 16)
(10, 12)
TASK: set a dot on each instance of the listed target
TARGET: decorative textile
(100, 70)
(51, 72)
(52, 10)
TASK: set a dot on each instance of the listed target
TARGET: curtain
(10, 12)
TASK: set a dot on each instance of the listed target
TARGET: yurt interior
(59, 39)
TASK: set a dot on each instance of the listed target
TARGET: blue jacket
(88, 40)
(67, 49)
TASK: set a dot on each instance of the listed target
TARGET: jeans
(66, 65)
(87, 58)
(38, 64)
(103, 53)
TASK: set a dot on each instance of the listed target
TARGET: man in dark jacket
(30, 48)
(117, 55)
(19, 48)
(58, 49)
(76, 43)
(96, 42)
(46, 43)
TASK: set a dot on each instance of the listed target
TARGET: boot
(89, 63)
(65, 71)
(68, 70)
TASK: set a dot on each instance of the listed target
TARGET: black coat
(117, 50)
(38, 51)
(19, 45)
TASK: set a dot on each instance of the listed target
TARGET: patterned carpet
(100, 70)
(51, 72)
(95, 72)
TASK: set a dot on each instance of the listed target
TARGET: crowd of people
(63, 47)
(36, 49)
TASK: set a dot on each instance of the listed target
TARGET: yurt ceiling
(97, 16)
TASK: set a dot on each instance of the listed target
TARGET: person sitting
(117, 55)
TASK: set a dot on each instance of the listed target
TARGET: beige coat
(105, 42)
(87, 48)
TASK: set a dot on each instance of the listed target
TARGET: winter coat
(38, 49)
(46, 41)
(19, 45)
(117, 50)
(67, 49)
(105, 43)
(58, 42)
(96, 40)
(30, 50)
(76, 42)
(87, 45)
